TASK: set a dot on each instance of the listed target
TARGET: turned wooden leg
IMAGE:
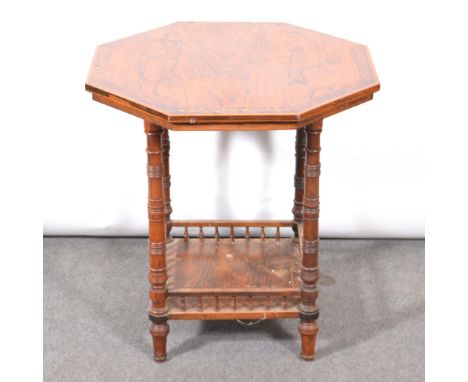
(310, 243)
(308, 332)
(159, 331)
(298, 208)
(158, 310)
(167, 184)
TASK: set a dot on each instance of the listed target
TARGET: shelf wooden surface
(233, 278)
(215, 265)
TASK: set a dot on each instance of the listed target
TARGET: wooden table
(233, 76)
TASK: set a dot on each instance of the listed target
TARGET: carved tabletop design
(232, 76)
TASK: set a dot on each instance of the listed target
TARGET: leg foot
(308, 331)
(159, 333)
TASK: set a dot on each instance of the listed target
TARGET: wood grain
(319, 114)
(298, 207)
(233, 76)
(232, 223)
(234, 277)
(166, 147)
(194, 75)
(158, 309)
(308, 308)
(260, 307)
(228, 266)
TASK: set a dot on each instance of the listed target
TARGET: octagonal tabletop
(232, 76)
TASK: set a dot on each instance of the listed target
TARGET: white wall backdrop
(94, 174)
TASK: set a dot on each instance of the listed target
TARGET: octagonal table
(233, 76)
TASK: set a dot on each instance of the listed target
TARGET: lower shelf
(226, 278)
(232, 307)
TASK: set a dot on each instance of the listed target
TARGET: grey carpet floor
(96, 328)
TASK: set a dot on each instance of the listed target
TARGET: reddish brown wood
(159, 333)
(233, 277)
(325, 111)
(236, 292)
(210, 265)
(200, 76)
(233, 76)
(243, 307)
(232, 223)
(158, 310)
(298, 208)
(308, 331)
(310, 242)
(167, 183)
